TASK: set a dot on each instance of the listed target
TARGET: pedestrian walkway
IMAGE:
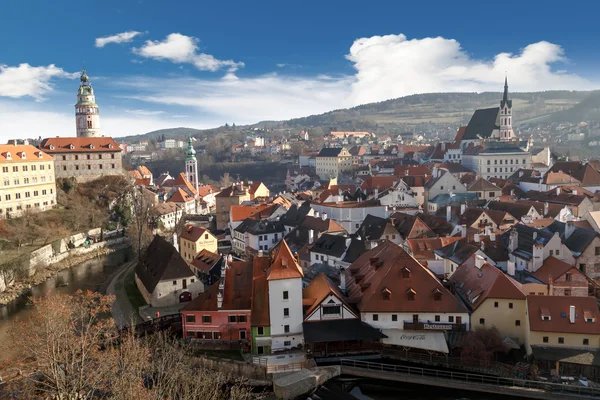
(122, 311)
(148, 312)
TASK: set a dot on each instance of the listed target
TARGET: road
(122, 310)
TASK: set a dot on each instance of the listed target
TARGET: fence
(437, 376)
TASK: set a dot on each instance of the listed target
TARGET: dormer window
(411, 294)
(588, 316)
(405, 273)
(40, 154)
(437, 294)
(23, 155)
(110, 146)
(92, 146)
(71, 146)
(386, 294)
(8, 156)
(546, 315)
(51, 147)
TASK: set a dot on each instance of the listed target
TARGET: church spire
(505, 101)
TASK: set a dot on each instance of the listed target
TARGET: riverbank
(22, 287)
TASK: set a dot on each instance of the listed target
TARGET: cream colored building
(26, 180)
(331, 161)
(194, 239)
(235, 195)
(84, 158)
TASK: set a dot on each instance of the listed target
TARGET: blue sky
(157, 64)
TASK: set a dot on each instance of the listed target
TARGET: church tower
(87, 117)
(191, 164)
(506, 131)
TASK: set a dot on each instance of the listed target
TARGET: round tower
(87, 117)
(191, 164)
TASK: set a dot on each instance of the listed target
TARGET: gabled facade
(443, 183)
(194, 239)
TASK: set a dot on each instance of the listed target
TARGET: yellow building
(496, 300)
(194, 239)
(563, 334)
(235, 195)
(330, 162)
(26, 180)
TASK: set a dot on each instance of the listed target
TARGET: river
(91, 275)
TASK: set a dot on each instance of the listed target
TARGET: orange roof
(412, 170)
(19, 151)
(318, 290)
(258, 211)
(260, 292)
(180, 196)
(205, 190)
(182, 181)
(79, 145)
(413, 149)
(205, 260)
(341, 134)
(193, 233)
(142, 182)
(423, 248)
(144, 171)
(555, 268)
(380, 182)
(557, 306)
(135, 174)
(254, 187)
(165, 208)
(285, 265)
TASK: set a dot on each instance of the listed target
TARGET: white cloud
(26, 80)
(144, 112)
(393, 66)
(179, 48)
(123, 37)
(280, 65)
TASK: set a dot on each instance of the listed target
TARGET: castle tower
(506, 131)
(191, 164)
(86, 110)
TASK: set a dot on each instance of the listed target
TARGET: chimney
(575, 192)
(569, 229)
(342, 279)
(175, 242)
(316, 214)
(572, 314)
(464, 230)
(482, 245)
(545, 209)
(463, 208)
(479, 261)
(311, 236)
(324, 216)
(488, 230)
(558, 191)
(448, 213)
(513, 240)
(219, 300)
(260, 253)
(476, 238)
(510, 268)
(550, 286)
(376, 193)
(520, 174)
(512, 192)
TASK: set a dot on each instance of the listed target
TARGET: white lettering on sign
(412, 337)
(440, 327)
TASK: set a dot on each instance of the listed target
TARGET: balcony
(434, 326)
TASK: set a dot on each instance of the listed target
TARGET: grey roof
(372, 227)
(579, 239)
(261, 227)
(569, 355)
(525, 239)
(244, 226)
(161, 262)
(295, 215)
(337, 330)
(457, 252)
(356, 248)
(482, 124)
(329, 152)
(331, 245)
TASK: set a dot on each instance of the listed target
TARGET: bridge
(168, 322)
(465, 381)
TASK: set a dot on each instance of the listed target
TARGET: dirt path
(122, 310)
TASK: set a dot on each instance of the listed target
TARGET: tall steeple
(506, 131)
(191, 164)
(87, 118)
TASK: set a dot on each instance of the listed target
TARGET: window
(411, 295)
(567, 292)
(394, 317)
(451, 318)
(64, 159)
(586, 342)
(545, 339)
(286, 329)
(437, 318)
(386, 295)
(510, 305)
(241, 319)
(481, 321)
(518, 323)
(100, 166)
(7, 197)
(287, 343)
(174, 282)
(5, 169)
(89, 157)
(492, 194)
(561, 340)
(437, 296)
(332, 310)
(217, 335)
(260, 330)
(496, 304)
(190, 318)
(286, 295)
(375, 317)
(286, 312)
(232, 319)
(405, 273)
(558, 252)
(112, 156)
(17, 196)
(568, 277)
(207, 319)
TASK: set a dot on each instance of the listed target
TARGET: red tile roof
(205, 260)
(554, 268)
(411, 170)
(556, 307)
(318, 290)
(205, 190)
(79, 144)
(260, 292)
(144, 170)
(379, 182)
(389, 268)
(284, 265)
(258, 211)
(16, 152)
(422, 249)
(193, 233)
(180, 196)
(182, 181)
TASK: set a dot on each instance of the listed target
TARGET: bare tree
(142, 210)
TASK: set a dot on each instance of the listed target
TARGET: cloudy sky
(157, 64)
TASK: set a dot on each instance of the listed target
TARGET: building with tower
(191, 164)
(86, 110)
(90, 155)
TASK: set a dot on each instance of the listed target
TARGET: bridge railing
(469, 378)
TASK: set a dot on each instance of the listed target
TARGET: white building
(285, 300)
(496, 161)
(87, 115)
(350, 214)
(169, 214)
